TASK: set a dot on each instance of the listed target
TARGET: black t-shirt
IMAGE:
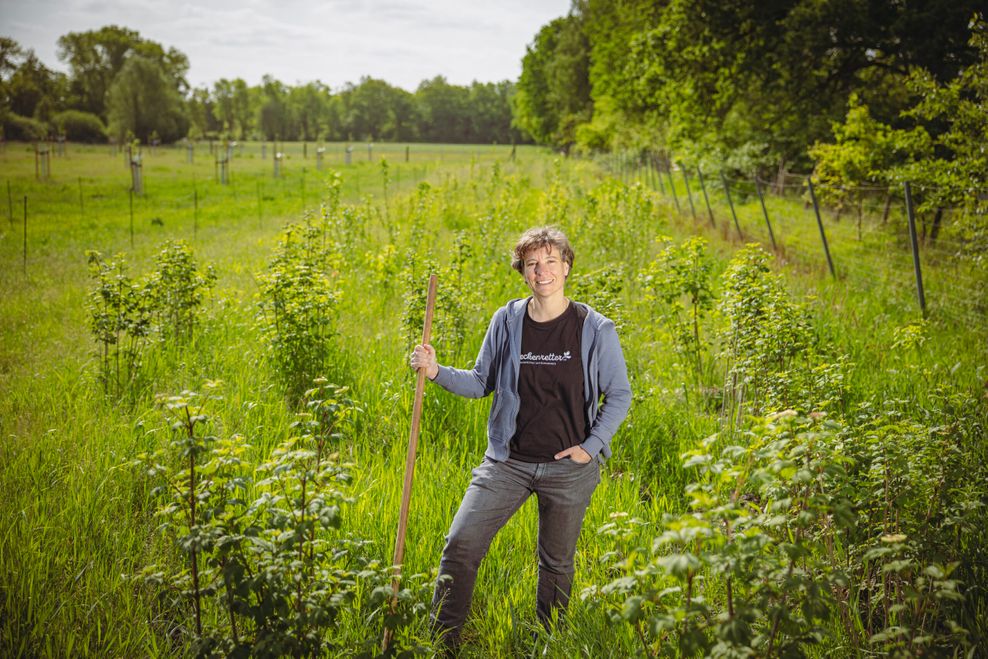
(553, 415)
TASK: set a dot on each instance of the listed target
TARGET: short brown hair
(541, 237)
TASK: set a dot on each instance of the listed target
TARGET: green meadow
(860, 515)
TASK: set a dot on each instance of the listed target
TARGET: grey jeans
(496, 492)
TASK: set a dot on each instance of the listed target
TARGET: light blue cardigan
(498, 363)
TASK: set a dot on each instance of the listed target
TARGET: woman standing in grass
(548, 361)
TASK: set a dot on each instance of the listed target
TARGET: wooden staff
(413, 440)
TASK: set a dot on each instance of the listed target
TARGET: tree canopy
(752, 84)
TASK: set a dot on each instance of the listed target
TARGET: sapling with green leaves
(296, 309)
(679, 278)
(177, 288)
(192, 494)
(454, 298)
(607, 238)
(269, 569)
(601, 289)
(767, 335)
(120, 318)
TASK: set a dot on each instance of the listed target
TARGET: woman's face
(545, 271)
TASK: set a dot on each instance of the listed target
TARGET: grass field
(75, 518)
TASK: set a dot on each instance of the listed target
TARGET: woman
(547, 360)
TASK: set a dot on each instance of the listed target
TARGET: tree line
(750, 85)
(122, 86)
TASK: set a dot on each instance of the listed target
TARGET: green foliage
(912, 530)
(597, 229)
(79, 126)
(142, 101)
(732, 576)
(16, 127)
(553, 95)
(178, 288)
(766, 333)
(601, 289)
(124, 314)
(97, 57)
(802, 527)
(744, 84)
(120, 319)
(138, 85)
(268, 571)
(939, 151)
(679, 278)
(866, 152)
(298, 298)
(455, 296)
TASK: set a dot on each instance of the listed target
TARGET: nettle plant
(263, 566)
(297, 305)
(915, 554)
(679, 279)
(804, 530)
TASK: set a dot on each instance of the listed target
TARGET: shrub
(808, 532)
(176, 289)
(455, 297)
(79, 126)
(125, 313)
(24, 129)
(269, 571)
(767, 333)
(601, 289)
(679, 278)
(120, 318)
(734, 575)
(296, 310)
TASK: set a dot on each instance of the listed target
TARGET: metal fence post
(915, 244)
(727, 192)
(25, 235)
(655, 170)
(689, 194)
(768, 223)
(819, 222)
(706, 199)
(672, 186)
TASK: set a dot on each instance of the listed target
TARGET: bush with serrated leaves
(267, 569)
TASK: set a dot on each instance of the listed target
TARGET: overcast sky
(335, 41)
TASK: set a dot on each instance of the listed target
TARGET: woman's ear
(566, 274)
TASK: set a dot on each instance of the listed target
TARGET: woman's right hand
(424, 356)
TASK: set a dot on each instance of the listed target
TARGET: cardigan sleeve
(480, 380)
(612, 380)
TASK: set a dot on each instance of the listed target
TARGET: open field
(76, 520)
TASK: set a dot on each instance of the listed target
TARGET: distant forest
(741, 85)
(122, 86)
